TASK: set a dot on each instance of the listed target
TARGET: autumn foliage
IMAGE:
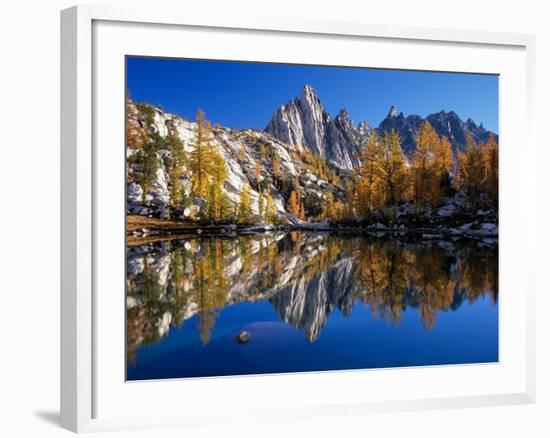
(386, 178)
(383, 179)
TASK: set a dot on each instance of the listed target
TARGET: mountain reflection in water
(305, 277)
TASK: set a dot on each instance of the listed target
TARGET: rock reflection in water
(304, 277)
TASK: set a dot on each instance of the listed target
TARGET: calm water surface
(310, 302)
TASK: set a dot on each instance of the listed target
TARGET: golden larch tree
(391, 167)
(176, 169)
(217, 180)
(367, 177)
(276, 166)
(244, 212)
(201, 157)
(257, 172)
(270, 210)
(294, 204)
(490, 161)
(426, 187)
(302, 213)
(470, 171)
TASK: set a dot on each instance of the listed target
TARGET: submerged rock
(243, 337)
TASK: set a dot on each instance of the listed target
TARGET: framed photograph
(269, 217)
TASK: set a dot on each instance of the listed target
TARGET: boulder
(134, 266)
(465, 227)
(446, 211)
(488, 228)
(316, 226)
(243, 337)
(134, 193)
(158, 195)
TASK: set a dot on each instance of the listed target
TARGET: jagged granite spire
(305, 122)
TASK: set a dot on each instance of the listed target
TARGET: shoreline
(144, 230)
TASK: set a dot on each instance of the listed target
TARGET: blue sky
(245, 95)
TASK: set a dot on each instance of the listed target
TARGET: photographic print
(287, 218)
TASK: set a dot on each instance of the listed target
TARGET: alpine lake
(300, 301)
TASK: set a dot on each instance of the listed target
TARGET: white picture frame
(81, 230)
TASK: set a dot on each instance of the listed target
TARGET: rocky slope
(241, 150)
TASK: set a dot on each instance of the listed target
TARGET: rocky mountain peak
(343, 114)
(310, 103)
(309, 94)
(342, 119)
(392, 112)
(445, 123)
(305, 121)
(364, 128)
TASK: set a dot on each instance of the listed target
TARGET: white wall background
(29, 215)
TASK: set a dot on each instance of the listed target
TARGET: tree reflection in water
(304, 276)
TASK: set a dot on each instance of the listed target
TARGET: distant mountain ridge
(447, 124)
(305, 121)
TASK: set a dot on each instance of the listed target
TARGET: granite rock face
(243, 151)
(304, 121)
